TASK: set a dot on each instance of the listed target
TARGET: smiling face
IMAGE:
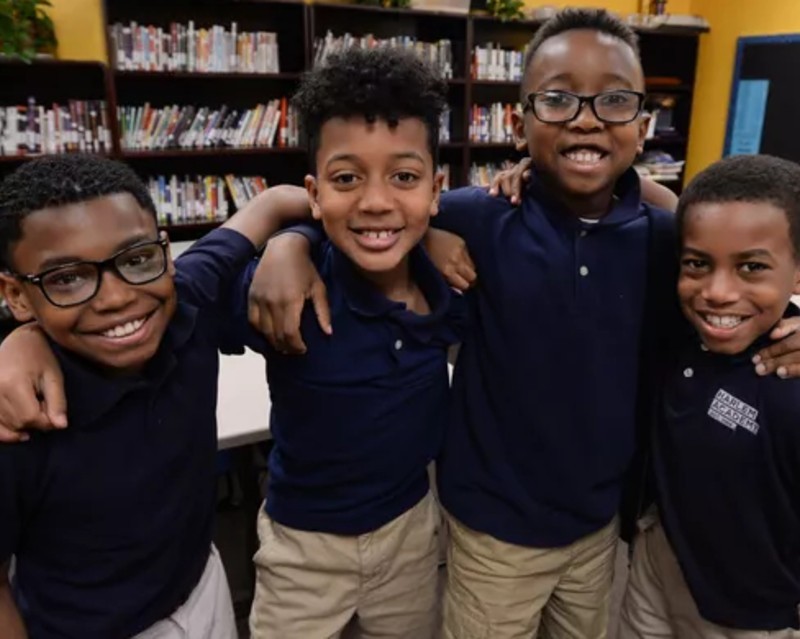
(121, 327)
(375, 191)
(583, 159)
(738, 271)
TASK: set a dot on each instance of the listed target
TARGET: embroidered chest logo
(732, 412)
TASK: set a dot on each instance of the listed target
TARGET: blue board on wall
(764, 111)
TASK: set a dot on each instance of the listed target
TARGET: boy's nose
(720, 289)
(114, 293)
(586, 120)
(375, 197)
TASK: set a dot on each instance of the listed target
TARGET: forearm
(10, 620)
(268, 212)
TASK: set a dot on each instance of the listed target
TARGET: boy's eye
(693, 264)
(69, 278)
(753, 267)
(554, 99)
(616, 99)
(137, 257)
(406, 177)
(344, 178)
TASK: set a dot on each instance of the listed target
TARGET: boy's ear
(438, 181)
(518, 126)
(12, 291)
(644, 123)
(796, 288)
(311, 187)
(170, 262)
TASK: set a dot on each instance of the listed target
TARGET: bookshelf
(669, 57)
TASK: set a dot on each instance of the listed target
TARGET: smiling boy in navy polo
(723, 562)
(110, 521)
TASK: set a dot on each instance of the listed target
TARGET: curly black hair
(748, 178)
(383, 83)
(571, 19)
(60, 180)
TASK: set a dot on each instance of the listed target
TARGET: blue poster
(748, 122)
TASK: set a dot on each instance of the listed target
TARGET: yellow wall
(729, 19)
(79, 29)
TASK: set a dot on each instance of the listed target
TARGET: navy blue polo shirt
(111, 519)
(356, 420)
(726, 457)
(544, 393)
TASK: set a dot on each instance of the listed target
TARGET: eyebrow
(351, 157)
(64, 260)
(744, 255)
(607, 77)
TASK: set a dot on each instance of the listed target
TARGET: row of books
(483, 174)
(200, 198)
(182, 47)
(244, 189)
(492, 123)
(438, 54)
(495, 63)
(76, 126)
(274, 123)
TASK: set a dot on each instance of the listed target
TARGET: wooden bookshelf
(669, 56)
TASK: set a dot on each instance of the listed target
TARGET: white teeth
(584, 156)
(377, 235)
(723, 321)
(123, 330)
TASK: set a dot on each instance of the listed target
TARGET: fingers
(785, 327)
(319, 300)
(260, 318)
(288, 337)
(54, 399)
(784, 354)
(12, 437)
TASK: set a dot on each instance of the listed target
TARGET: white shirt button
(584, 271)
(398, 345)
(688, 372)
(584, 233)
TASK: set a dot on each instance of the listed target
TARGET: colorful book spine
(186, 47)
(78, 126)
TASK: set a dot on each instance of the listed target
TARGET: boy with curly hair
(350, 528)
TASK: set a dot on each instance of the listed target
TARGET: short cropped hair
(383, 83)
(748, 178)
(571, 19)
(60, 180)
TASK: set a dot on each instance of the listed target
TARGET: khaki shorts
(497, 590)
(207, 614)
(657, 601)
(310, 585)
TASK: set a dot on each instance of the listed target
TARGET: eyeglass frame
(583, 99)
(101, 266)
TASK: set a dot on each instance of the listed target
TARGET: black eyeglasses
(76, 283)
(611, 107)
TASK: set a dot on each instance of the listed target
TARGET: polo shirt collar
(363, 298)
(92, 393)
(626, 206)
